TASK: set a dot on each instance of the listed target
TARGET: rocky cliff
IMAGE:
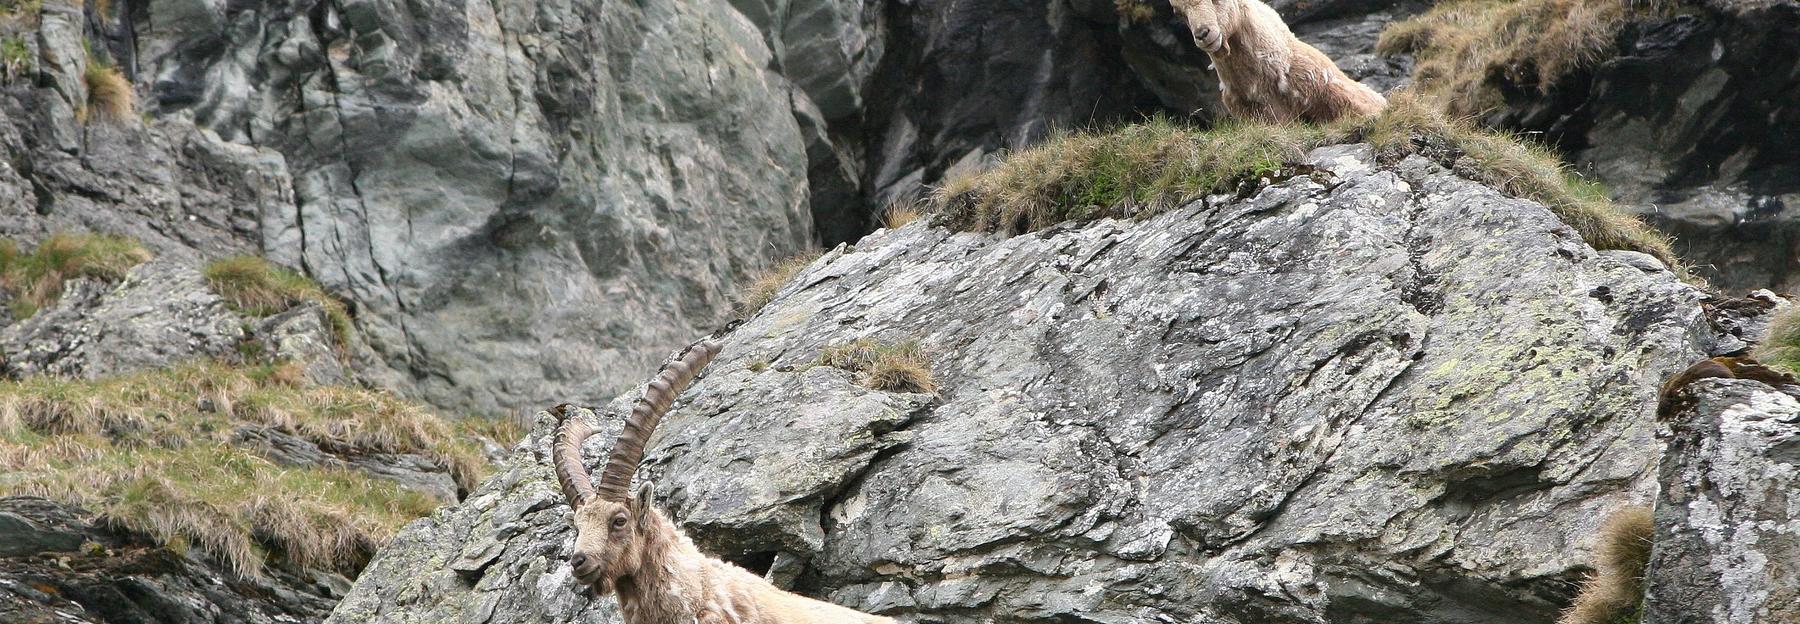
(1372, 394)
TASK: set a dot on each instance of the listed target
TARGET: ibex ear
(642, 500)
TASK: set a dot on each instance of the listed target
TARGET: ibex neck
(663, 588)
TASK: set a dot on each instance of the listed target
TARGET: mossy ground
(35, 279)
(887, 366)
(1143, 169)
(258, 287)
(1464, 48)
(152, 452)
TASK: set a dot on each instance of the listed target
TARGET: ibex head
(611, 525)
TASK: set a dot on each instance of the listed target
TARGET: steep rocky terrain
(1371, 394)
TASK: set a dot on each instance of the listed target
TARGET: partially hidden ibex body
(624, 546)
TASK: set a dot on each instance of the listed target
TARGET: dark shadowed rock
(1727, 525)
(1696, 122)
(92, 574)
(1379, 394)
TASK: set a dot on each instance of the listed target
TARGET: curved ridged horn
(565, 456)
(615, 480)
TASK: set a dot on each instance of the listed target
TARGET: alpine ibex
(624, 546)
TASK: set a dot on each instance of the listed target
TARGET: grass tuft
(764, 284)
(154, 452)
(889, 367)
(1782, 346)
(1465, 47)
(1615, 593)
(109, 92)
(1140, 170)
(15, 57)
(898, 214)
(258, 287)
(35, 279)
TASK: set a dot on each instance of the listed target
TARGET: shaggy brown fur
(1671, 399)
(1267, 74)
(624, 546)
(1616, 590)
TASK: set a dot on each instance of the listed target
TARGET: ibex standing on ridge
(626, 547)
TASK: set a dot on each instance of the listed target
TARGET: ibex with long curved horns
(626, 547)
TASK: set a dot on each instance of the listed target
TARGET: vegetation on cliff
(161, 452)
(1143, 169)
(257, 287)
(35, 279)
(1782, 346)
(1465, 47)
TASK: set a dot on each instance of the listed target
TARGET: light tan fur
(624, 546)
(1265, 73)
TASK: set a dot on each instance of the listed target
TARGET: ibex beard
(625, 547)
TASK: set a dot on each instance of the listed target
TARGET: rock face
(1727, 527)
(60, 566)
(1695, 121)
(608, 171)
(1373, 394)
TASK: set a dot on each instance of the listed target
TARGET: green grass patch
(1465, 48)
(257, 287)
(152, 452)
(1144, 169)
(35, 279)
(886, 366)
(1782, 346)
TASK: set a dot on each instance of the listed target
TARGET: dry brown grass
(898, 214)
(764, 284)
(1463, 47)
(258, 287)
(35, 279)
(154, 452)
(109, 93)
(1144, 169)
(889, 367)
(1615, 593)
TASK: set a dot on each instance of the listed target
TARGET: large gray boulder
(1727, 525)
(1373, 394)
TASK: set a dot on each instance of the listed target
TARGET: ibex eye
(618, 522)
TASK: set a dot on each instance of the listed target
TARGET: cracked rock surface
(1383, 393)
(1727, 521)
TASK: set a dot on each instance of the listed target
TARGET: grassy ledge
(1144, 169)
(257, 287)
(1464, 46)
(35, 279)
(889, 367)
(153, 453)
(764, 284)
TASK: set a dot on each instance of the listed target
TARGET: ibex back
(625, 547)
